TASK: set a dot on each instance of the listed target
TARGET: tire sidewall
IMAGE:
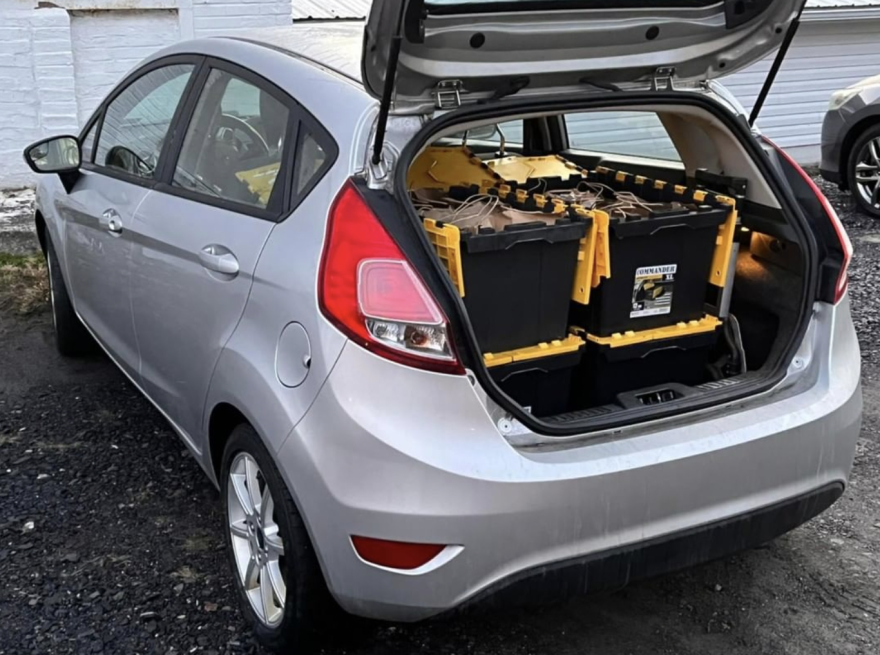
(869, 134)
(289, 630)
(71, 337)
(57, 290)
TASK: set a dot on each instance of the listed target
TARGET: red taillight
(845, 244)
(395, 554)
(369, 290)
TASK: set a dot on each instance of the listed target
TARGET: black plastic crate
(607, 371)
(541, 385)
(516, 283)
(659, 267)
(660, 262)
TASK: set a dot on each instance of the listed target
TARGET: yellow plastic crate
(446, 240)
(726, 231)
(440, 167)
(570, 344)
(620, 339)
(520, 169)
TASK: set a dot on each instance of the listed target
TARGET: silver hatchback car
(236, 227)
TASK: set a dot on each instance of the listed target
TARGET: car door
(197, 239)
(122, 150)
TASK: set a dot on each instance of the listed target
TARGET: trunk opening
(660, 342)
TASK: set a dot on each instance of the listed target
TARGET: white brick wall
(36, 74)
(57, 62)
(212, 17)
(108, 44)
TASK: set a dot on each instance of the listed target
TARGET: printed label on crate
(652, 290)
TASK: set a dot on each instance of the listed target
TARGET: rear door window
(311, 158)
(631, 133)
(235, 143)
(490, 139)
(136, 123)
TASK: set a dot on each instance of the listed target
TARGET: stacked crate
(611, 300)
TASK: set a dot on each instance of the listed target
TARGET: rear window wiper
(515, 85)
(604, 86)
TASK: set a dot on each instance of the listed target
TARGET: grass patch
(24, 286)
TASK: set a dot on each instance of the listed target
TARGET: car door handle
(219, 259)
(112, 222)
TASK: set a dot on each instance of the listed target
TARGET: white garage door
(824, 57)
(108, 44)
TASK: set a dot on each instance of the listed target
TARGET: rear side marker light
(369, 290)
(400, 555)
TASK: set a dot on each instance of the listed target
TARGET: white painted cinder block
(38, 99)
(108, 44)
(58, 62)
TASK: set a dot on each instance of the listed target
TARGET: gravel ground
(110, 537)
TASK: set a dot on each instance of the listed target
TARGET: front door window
(137, 122)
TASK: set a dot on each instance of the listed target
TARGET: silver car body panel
(97, 262)
(185, 312)
(392, 460)
(367, 446)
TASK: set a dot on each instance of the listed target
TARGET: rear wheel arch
(852, 135)
(225, 417)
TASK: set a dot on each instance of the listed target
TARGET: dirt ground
(110, 537)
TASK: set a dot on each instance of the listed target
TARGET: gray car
(234, 227)
(851, 143)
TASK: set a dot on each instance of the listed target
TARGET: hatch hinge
(662, 79)
(447, 94)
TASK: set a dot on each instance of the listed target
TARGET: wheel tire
(307, 597)
(866, 195)
(71, 337)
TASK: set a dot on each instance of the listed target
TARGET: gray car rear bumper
(614, 569)
(833, 129)
(394, 453)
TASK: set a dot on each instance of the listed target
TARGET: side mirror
(58, 154)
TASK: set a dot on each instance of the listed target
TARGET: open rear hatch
(490, 49)
(590, 290)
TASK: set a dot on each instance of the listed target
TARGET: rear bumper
(398, 454)
(618, 567)
(833, 131)
(831, 175)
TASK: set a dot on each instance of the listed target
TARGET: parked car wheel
(864, 171)
(275, 568)
(71, 337)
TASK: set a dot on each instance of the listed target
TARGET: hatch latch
(447, 94)
(662, 79)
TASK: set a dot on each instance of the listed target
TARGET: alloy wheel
(867, 174)
(256, 540)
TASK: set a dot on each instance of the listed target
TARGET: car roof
(336, 46)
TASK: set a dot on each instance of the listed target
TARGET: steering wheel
(234, 123)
